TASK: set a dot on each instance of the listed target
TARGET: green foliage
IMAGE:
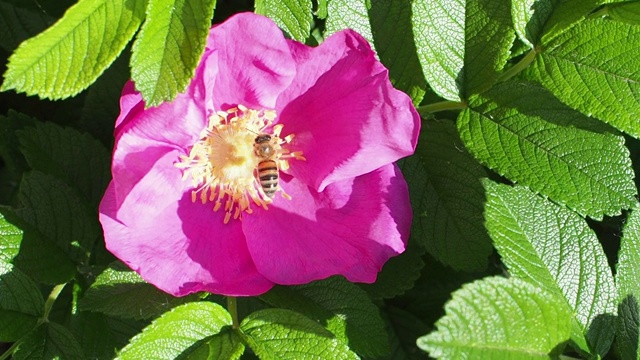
(498, 318)
(284, 334)
(295, 17)
(169, 46)
(533, 180)
(79, 47)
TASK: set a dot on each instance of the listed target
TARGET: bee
(267, 168)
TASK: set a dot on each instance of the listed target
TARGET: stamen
(224, 163)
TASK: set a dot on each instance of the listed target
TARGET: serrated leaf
(176, 332)
(169, 47)
(628, 12)
(529, 17)
(404, 328)
(9, 149)
(554, 248)
(595, 68)
(497, 318)
(628, 283)
(342, 307)
(21, 303)
(462, 44)
(59, 213)
(565, 14)
(78, 159)
(122, 293)
(386, 24)
(448, 210)
(10, 238)
(280, 334)
(49, 341)
(322, 11)
(69, 56)
(17, 24)
(525, 134)
(293, 16)
(226, 345)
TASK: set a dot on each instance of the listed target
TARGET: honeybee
(267, 168)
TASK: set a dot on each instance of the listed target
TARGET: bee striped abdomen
(268, 176)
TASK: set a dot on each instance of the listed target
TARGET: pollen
(223, 164)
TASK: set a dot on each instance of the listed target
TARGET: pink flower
(185, 208)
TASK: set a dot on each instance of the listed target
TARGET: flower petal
(351, 228)
(254, 63)
(347, 118)
(184, 248)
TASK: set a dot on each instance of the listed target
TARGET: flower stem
(232, 307)
(427, 110)
(11, 349)
(50, 300)
(517, 68)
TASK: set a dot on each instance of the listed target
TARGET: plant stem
(517, 68)
(427, 110)
(50, 300)
(11, 349)
(232, 307)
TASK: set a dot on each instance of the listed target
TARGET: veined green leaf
(565, 14)
(343, 307)
(49, 341)
(121, 292)
(21, 303)
(554, 248)
(169, 46)
(293, 16)
(101, 336)
(70, 55)
(226, 345)
(462, 44)
(386, 24)
(449, 206)
(176, 332)
(278, 334)
(525, 134)
(529, 17)
(628, 283)
(595, 68)
(497, 318)
(10, 238)
(628, 11)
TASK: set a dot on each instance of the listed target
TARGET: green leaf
(554, 248)
(280, 334)
(404, 328)
(293, 16)
(342, 307)
(69, 56)
(49, 341)
(497, 318)
(628, 12)
(122, 293)
(21, 303)
(565, 15)
(525, 134)
(462, 45)
(226, 345)
(10, 238)
(169, 47)
(9, 149)
(17, 24)
(628, 283)
(399, 273)
(529, 17)
(59, 213)
(448, 210)
(176, 332)
(322, 11)
(78, 159)
(386, 24)
(595, 68)
(100, 336)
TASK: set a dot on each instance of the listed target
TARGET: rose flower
(274, 167)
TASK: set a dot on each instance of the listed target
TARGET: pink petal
(184, 248)
(254, 63)
(351, 228)
(347, 118)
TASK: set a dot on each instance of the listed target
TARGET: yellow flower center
(235, 162)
